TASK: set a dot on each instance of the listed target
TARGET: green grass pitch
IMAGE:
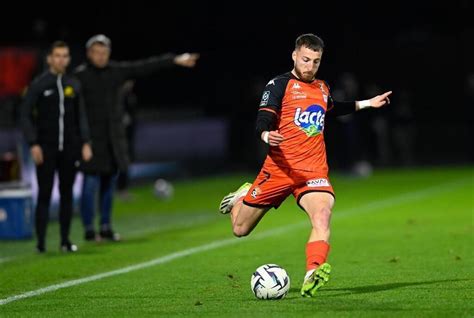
(402, 245)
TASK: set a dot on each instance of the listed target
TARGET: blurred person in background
(102, 79)
(128, 103)
(54, 124)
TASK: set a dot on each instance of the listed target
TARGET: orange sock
(316, 254)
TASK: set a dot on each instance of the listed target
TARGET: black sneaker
(68, 247)
(110, 235)
(90, 235)
(40, 249)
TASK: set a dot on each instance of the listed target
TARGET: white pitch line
(373, 206)
(191, 220)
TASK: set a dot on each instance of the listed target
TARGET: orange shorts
(274, 184)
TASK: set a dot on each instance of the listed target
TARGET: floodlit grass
(402, 245)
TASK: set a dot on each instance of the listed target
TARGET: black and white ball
(163, 189)
(270, 281)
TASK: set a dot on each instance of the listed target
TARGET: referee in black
(54, 124)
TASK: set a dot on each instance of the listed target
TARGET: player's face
(307, 63)
(99, 55)
(58, 60)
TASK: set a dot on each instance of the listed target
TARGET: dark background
(420, 50)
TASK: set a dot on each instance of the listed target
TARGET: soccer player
(54, 124)
(291, 120)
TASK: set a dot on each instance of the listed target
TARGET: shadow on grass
(378, 288)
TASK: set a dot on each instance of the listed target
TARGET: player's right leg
(248, 204)
(228, 202)
(244, 218)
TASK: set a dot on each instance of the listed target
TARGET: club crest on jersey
(255, 192)
(311, 120)
(68, 91)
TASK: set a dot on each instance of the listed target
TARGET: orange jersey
(301, 109)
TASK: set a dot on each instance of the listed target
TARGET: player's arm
(269, 111)
(156, 63)
(340, 108)
(266, 124)
(376, 102)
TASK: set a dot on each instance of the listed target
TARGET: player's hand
(380, 100)
(186, 59)
(86, 152)
(37, 154)
(274, 137)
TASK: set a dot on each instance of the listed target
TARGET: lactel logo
(311, 120)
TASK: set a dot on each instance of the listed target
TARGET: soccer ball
(270, 281)
(163, 189)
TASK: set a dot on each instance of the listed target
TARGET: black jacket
(101, 90)
(52, 113)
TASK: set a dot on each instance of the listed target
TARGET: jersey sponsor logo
(314, 183)
(311, 120)
(298, 95)
(48, 92)
(265, 98)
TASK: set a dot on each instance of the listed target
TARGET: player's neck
(293, 72)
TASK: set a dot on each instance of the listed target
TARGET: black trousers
(64, 163)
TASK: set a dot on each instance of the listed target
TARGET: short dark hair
(57, 44)
(310, 41)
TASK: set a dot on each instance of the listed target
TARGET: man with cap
(101, 80)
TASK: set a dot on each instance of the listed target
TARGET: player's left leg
(248, 204)
(318, 206)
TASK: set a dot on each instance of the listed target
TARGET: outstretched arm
(156, 63)
(376, 102)
(344, 108)
(186, 59)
